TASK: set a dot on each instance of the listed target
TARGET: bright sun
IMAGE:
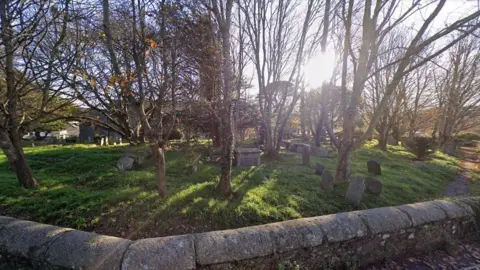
(320, 68)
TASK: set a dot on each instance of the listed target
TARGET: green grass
(81, 188)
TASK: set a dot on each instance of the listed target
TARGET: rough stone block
(319, 168)
(374, 167)
(233, 245)
(28, 239)
(4, 221)
(295, 234)
(355, 191)
(247, 157)
(327, 180)
(384, 219)
(83, 250)
(175, 252)
(466, 207)
(421, 213)
(340, 227)
(452, 209)
(373, 186)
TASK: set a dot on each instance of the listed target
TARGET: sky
(319, 68)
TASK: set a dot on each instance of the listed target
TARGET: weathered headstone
(407, 179)
(126, 163)
(323, 152)
(373, 166)
(247, 157)
(420, 164)
(120, 141)
(327, 180)
(450, 148)
(306, 156)
(287, 145)
(193, 167)
(319, 168)
(355, 191)
(101, 141)
(391, 141)
(373, 186)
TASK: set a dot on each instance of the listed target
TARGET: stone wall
(345, 239)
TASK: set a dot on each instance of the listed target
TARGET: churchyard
(82, 187)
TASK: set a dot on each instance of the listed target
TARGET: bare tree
(379, 20)
(34, 52)
(278, 43)
(461, 88)
(222, 12)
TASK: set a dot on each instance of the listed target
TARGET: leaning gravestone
(126, 163)
(319, 168)
(327, 180)
(355, 191)
(306, 156)
(373, 166)
(373, 186)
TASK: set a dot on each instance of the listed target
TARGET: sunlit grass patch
(80, 187)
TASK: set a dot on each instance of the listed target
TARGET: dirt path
(466, 257)
(459, 184)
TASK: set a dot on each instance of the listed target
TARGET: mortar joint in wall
(124, 253)
(50, 243)
(444, 211)
(324, 236)
(407, 214)
(369, 230)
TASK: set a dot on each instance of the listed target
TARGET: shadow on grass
(88, 192)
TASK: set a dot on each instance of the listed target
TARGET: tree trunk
(319, 132)
(11, 140)
(270, 150)
(11, 145)
(227, 124)
(214, 132)
(396, 133)
(343, 166)
(227, 129)
(303, 116)
(158, 155)
(382, 141)
(347, 145)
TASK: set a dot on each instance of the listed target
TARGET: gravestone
(323, 152)
(407, 179)
(327, 180)
(298, 147)
(306, 157)
(391, 141)
(287, 145)
(355, 191)
(126, 163)
(373, 166)
(420, 164)
(246, 157)
(373, 186)
(450, 148)
(319, 168)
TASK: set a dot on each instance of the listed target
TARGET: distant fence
(344, 239)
